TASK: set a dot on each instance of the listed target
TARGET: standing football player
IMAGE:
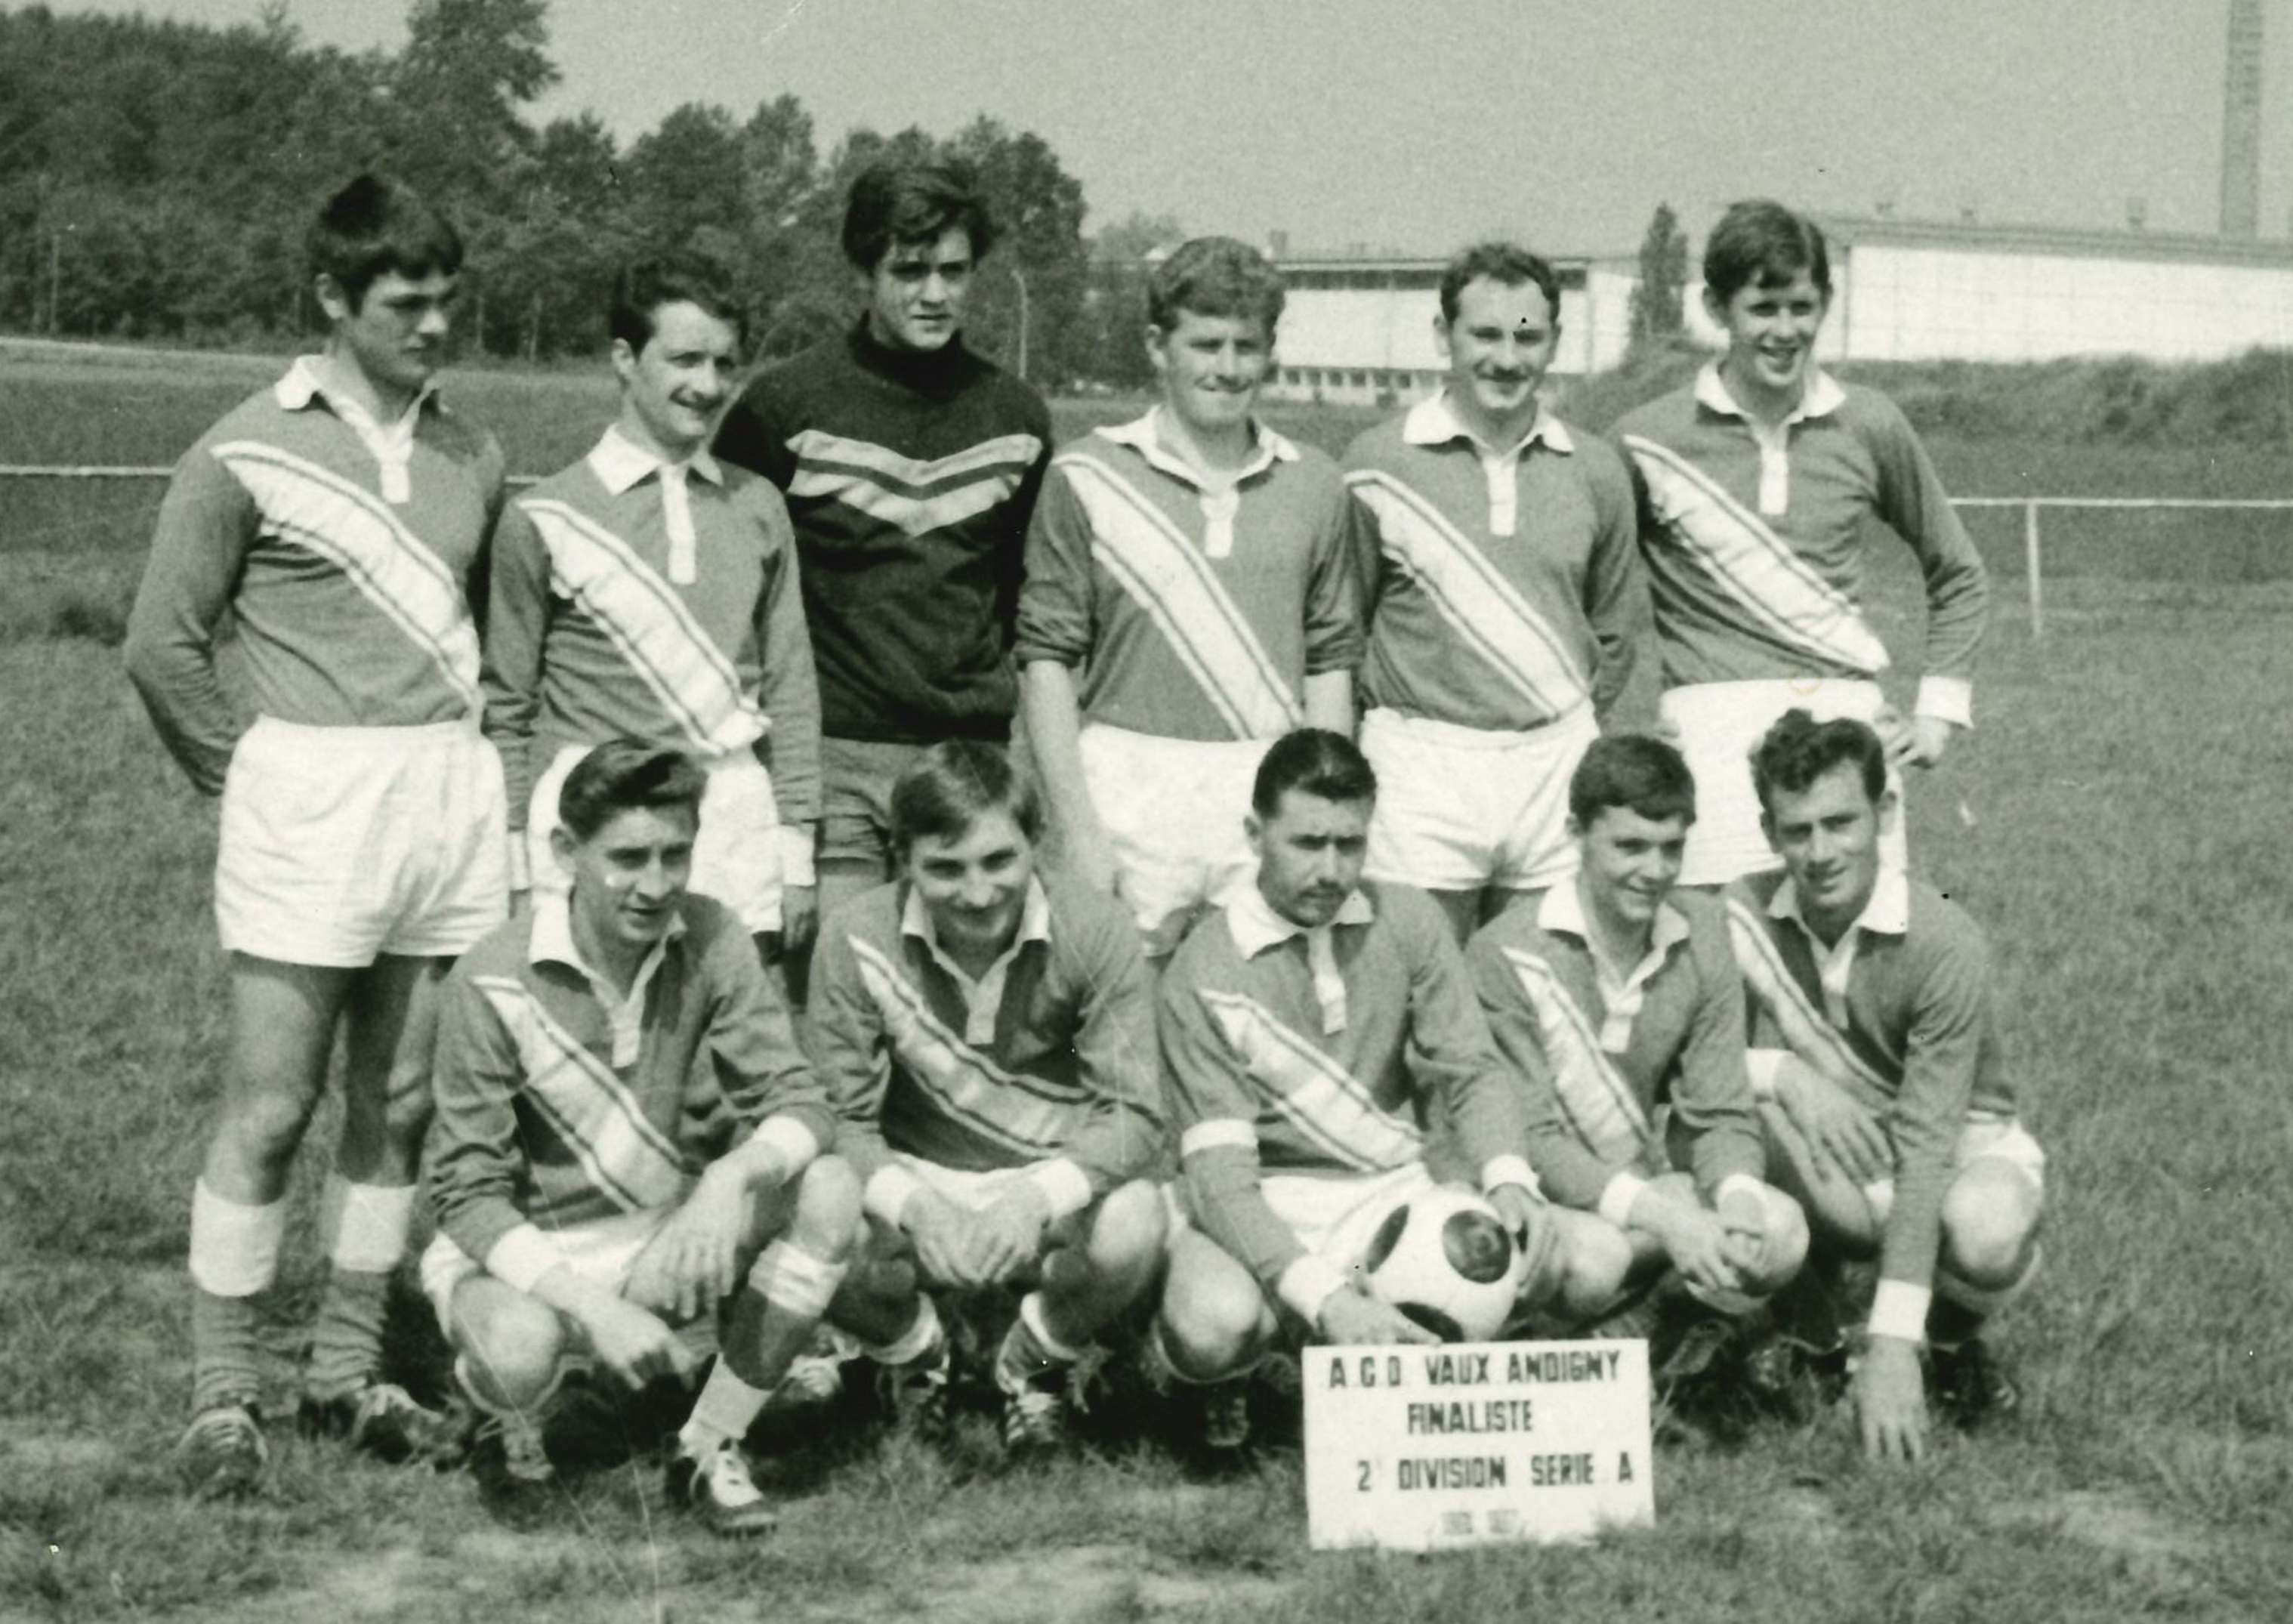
(910, 463)
(1618, 1003)
(989, 1036)
(1756, 480)
(339, 516)
(649, 592)
(628, 1138)
(1891, 1108)
(1320, 1040)
(1507, 606)
(1197, 566)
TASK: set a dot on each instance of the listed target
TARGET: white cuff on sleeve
(520, 861)
(1899, 1309)
(1218, 1133)
(1305, 1284)
(1065, 1187)
(1767, 1068)
(791, 1143)
(522, 1257)
(887, 1192)
(1949, 699)
(796, 854)
(1509, 1170)
(1744, 1181)
(1617, 1201)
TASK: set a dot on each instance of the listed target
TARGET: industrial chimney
(2240, 173)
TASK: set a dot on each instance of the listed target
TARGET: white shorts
(1463, 810)
(1720, 723)
(1334, 1216)
(1983, 1139)
(604, 1250)
(1173, 810)
(341, 844)
(736, 857)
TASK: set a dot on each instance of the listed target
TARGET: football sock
(1053, 1350)
(234, 1254)
(363, 1227)
(923, 1338)
(722, 1412)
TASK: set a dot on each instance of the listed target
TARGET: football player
(649, 591)
(1618, 1003)
(1890, 1107)
(911, 463)
(1756, 482)
(627, 1139)
(1320, 1041)
(1507, 607)
(1196, 565)
(989, 1036)
(339, 516)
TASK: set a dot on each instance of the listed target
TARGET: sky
(1378, 124)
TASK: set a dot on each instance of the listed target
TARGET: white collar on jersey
(1562, 909)
(1254, 925)
(621, 463)
(1144, 435)
(306, 381)
(1822, 396)
(1887, 914)
(1434, 421)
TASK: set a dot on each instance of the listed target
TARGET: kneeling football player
(989, 1039)
(1319, 1037)
(1618, 1003)
(1890, 1108)
(627, 1137)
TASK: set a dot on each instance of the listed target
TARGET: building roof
(2072, 242)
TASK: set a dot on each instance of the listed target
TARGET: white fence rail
(2031, 506)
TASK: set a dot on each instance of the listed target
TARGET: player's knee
(1784, 1248)
(268, 1125)
(1126, 1237)
(406, 1114)
(1989, 1228)
(516, 1343)
(1589, 1266)
(828, 1217)
(1214, 1323)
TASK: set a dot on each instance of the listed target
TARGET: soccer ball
(1446, 1259)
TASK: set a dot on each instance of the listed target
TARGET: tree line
(155, 180)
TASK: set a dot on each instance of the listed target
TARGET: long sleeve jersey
(1598, 1053)
(345, 551)
(1196, 613)
(1046, 1061)
(559, 1102)
(1356, 1048)
(615, 615)
(1897, 1012)
(1504, 586)
(1754, 543)
(909, 479)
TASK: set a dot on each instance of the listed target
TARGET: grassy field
(2117, 821)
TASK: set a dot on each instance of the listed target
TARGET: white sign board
(1417, 1448)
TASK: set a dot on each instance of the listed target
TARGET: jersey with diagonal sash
(1754, 549)
(346, 576)
(1196, 614)
(1376, 1059)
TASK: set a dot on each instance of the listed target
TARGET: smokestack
(2137, 213)
(1277, 246)
(2241, 174)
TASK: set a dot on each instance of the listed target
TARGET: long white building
(1358, 328)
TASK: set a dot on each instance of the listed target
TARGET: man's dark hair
(1799, 750)
(949, 787)
(1315, 760)
(1501, 262)
(688, 279)
(904, 200)
(376, 224)
(1214, 276)
(1634, 771)
(1762, 243)
(623, 773)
